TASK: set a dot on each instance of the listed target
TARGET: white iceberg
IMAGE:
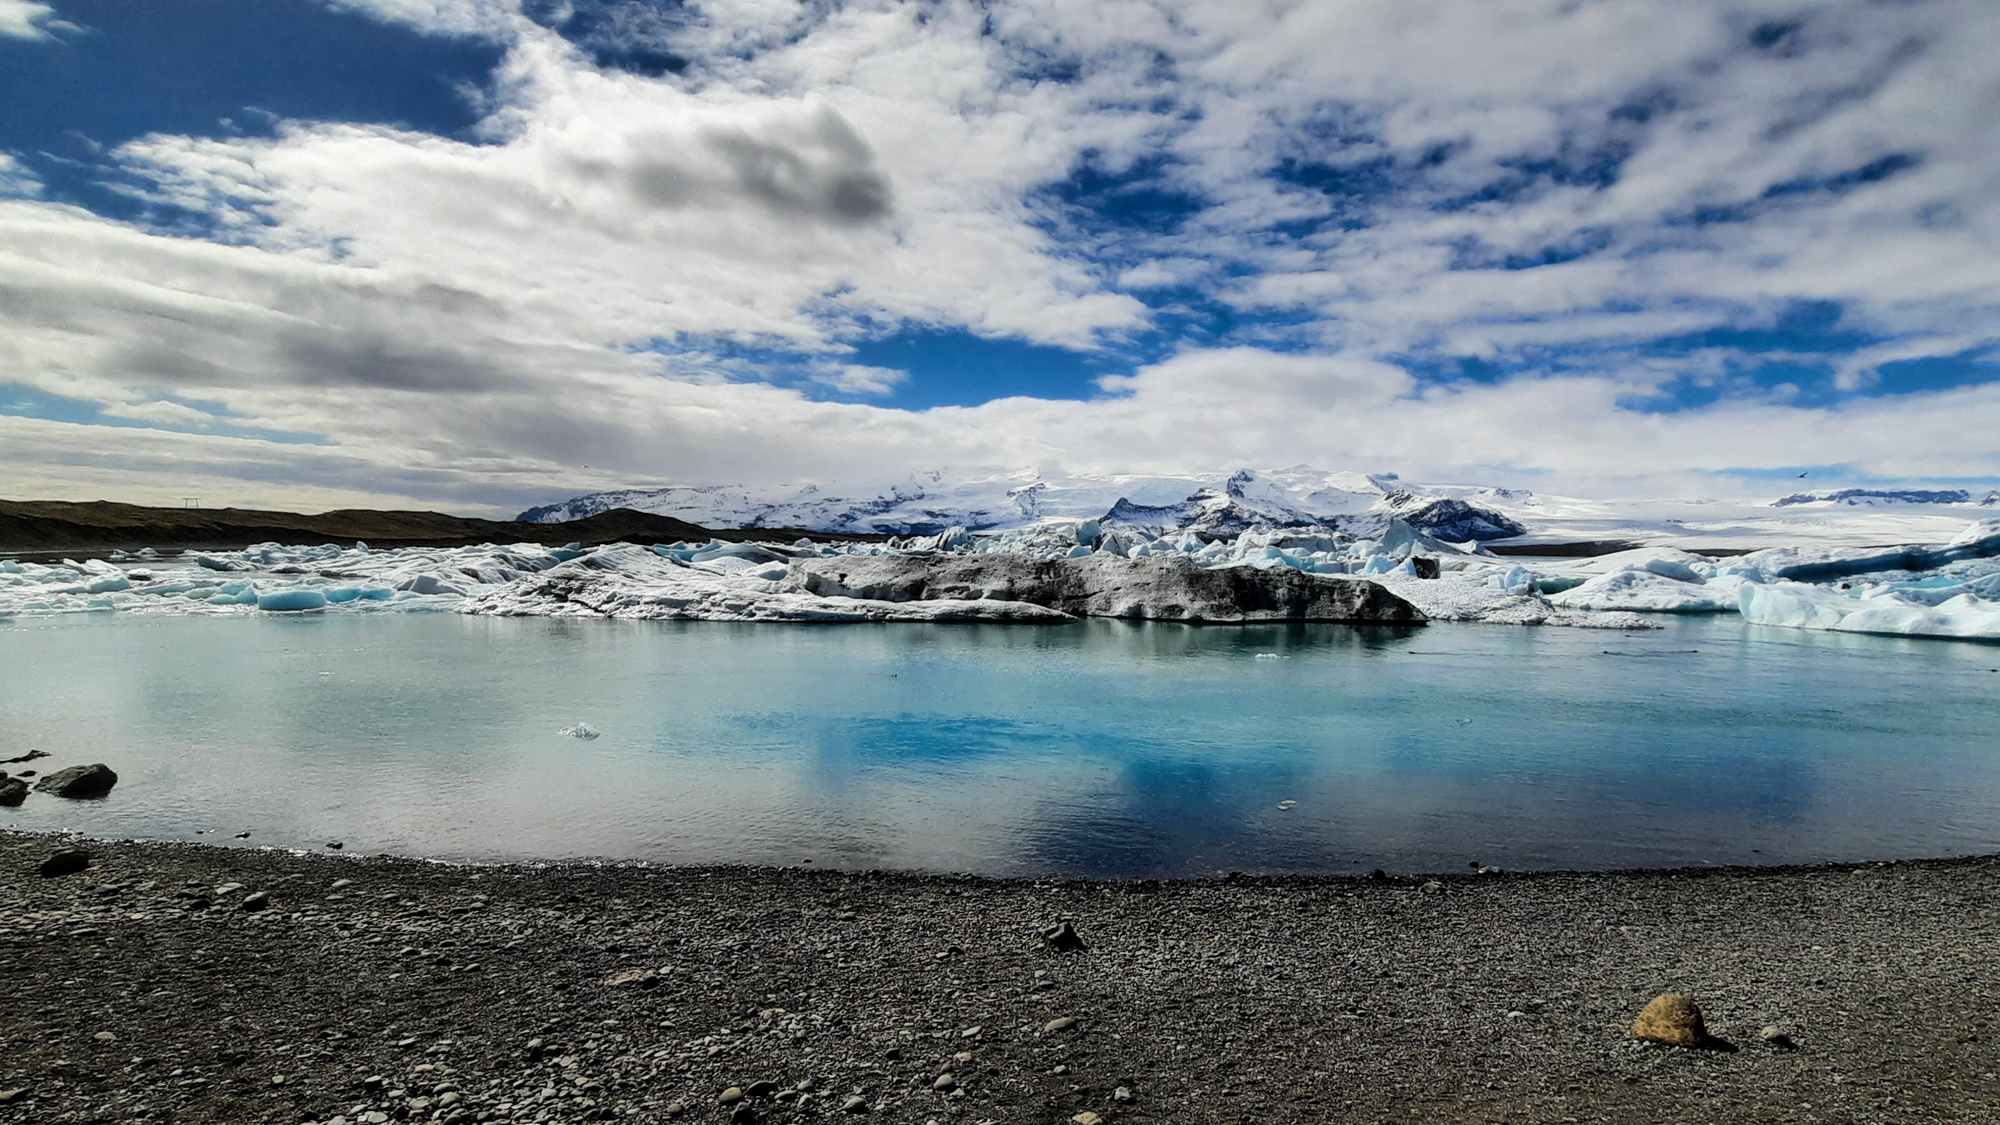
(1645, 591)
(1796, 605)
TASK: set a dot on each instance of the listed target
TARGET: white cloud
(161, 411)
(861, 379)
(24, 19)
(16, 180)
(472, 323)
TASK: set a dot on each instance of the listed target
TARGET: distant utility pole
(190, 501)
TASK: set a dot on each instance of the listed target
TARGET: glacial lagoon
(1100, 748)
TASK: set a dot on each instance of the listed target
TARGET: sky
(483, 254)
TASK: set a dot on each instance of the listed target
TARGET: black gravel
(142, 989)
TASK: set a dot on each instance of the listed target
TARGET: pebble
(946, 1082)
(1060, 1023)
(760, 1089)
(105, 1037)
(336, 845)
(730, 1096)
(1776, 1037)
(1062, 937)
(254, 902)
(1432, 887)
(854, 1104)
(8, 1097)
(1087, 1118)
(1122, 1094)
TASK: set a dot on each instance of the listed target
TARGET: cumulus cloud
(25, 19)
(1361, 190)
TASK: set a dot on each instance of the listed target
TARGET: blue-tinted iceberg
(1799, 606)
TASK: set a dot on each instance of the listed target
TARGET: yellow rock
(1087, 1118)
(1671, 1018)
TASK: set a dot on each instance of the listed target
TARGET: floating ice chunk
(1267, 656)
(1799, 606)
(291, 601)
(746, 552)
(357, 593)
(109, 583)
(1513, 580)
(584, 731)
(429, 584)
(1648, 591)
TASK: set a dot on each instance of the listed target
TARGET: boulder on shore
(68, 861)
(1671, 1018)
(80, 782)
(12, 791)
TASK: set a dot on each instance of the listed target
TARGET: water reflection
(1104, 747)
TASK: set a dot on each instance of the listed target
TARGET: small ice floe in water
(1267, 656)
(1287, 804)
(581, 730)
(1463, 722)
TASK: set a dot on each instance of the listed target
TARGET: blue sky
(474, 252)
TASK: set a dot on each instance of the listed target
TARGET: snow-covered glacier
(1211, 506)
(1293, 544)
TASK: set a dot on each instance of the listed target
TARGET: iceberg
(291, 601)
(1799, 606)
(1647, 591)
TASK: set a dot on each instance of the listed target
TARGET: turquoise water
(1102, 748)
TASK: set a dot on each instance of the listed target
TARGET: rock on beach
(1671, 1018)
(79, 782)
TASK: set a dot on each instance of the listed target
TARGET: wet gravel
(372, 989)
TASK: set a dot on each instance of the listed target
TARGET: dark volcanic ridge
(33, 526)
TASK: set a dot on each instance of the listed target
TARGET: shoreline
(489, 993)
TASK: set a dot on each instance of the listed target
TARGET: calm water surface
(1103, 748)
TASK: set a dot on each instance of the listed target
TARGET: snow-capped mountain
(1211, 507)
(1887, 497)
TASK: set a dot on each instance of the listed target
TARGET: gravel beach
(188, 983)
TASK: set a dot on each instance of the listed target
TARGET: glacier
(1290, 544)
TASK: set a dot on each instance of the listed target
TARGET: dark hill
(54, 525)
